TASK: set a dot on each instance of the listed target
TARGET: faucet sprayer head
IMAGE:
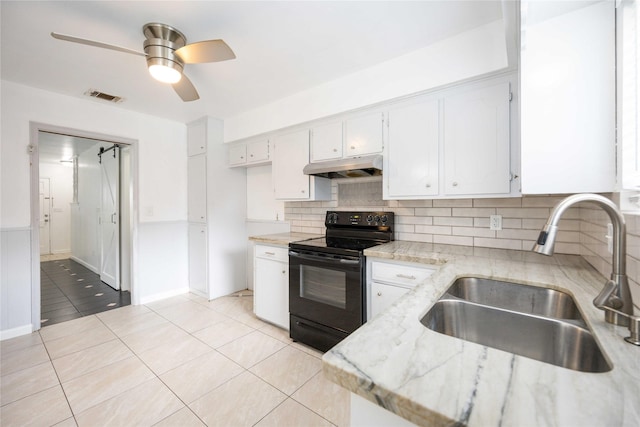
(546, 240)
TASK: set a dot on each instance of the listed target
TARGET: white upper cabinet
(326, 142)
(290, 156)
(237, 154)
(452, 143)
(411, 156)
(197, 138)
(364, 134)
(568, 102)
(476, 141)
(258, 151)
(197, 188)
(251, 153)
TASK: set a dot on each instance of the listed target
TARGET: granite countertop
(283, 239)
(435, 380)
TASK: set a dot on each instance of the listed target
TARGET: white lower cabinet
(271, 284)
(198, 259)
(388, 281)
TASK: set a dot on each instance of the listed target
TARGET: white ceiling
(282, 47)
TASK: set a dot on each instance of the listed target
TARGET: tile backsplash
(466, 222)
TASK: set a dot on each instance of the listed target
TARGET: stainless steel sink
(539, 329)
(517, 297)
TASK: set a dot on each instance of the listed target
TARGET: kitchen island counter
(435, 380)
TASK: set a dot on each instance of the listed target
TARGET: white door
(45, 217)
(109, 219)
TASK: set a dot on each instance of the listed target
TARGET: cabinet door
(271, 290)
(237, 154)
(326, 142)
(197, 138)
(290, 156)
(197, 188)
(476, 141)
(411, 155)
(363, 134)
(382, 296)
(198, 259)
(258, 151)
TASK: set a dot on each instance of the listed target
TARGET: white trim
(34, 129)
(16, 332)
(163, 295)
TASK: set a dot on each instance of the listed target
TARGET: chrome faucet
(615, 297)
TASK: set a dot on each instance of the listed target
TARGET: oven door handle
(324, 259)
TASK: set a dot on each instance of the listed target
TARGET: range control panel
(359, 219)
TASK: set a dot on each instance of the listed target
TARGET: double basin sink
(539, 323)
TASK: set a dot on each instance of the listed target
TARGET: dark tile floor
(69, 290)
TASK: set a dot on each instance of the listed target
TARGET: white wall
(160, 197)
(475, 52)
(61, 190)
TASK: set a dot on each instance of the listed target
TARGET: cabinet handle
(428, 185)
(242, 157)
(303, 191)
(406, 276)
(270, 253)
(250, 155)
(335, 150)
(379, 294)
(353, 147)
(455, 184)
(283, 271)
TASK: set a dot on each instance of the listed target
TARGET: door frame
(34, 130)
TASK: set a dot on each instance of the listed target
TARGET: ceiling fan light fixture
(165, 74)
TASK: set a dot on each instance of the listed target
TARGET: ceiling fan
(167, 52)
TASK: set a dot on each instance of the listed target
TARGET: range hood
(346, 168)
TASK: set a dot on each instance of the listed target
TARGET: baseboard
(156, 297)
(85, 264)
(15, 332)
(61, 251)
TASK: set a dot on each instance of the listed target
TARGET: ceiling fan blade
(95, 43)
(185, 89)
(205, 51)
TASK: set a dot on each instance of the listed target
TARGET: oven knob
(369, 218)
(384, 218)
(376, 218)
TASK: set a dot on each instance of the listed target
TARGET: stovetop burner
(351, 233)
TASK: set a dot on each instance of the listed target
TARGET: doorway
(86, 238)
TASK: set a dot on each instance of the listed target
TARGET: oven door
(327, 289)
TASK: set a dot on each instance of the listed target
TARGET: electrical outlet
(609, 238)
(495, 222)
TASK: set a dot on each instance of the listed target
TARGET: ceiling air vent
(104, 96)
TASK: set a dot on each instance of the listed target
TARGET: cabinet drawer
(272, 252)
(404, 275)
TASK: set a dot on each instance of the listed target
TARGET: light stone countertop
(432, 379)
(283, 239)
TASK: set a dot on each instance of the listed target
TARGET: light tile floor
(182, 361)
